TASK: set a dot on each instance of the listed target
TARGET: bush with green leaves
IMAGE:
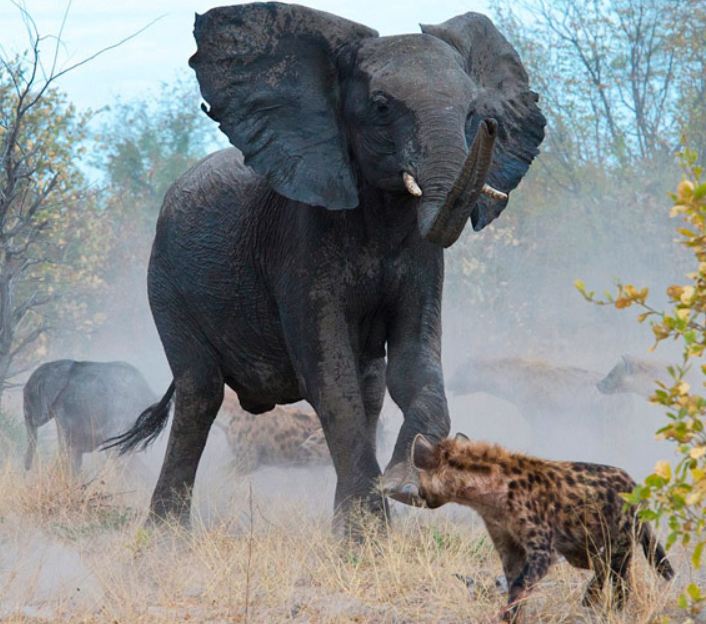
(675, 492)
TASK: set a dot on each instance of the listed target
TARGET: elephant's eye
(380, 103)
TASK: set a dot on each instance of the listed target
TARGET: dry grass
(74, 552)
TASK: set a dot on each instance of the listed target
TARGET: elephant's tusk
(411, 185)
(493, 192)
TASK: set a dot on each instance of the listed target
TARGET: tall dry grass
(76, 551)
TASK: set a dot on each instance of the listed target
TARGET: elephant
(91, 401)
(308, 263)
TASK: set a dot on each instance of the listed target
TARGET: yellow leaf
(694, 498)
(685, 189)
(697, 451)
(687, 295)
(663, 469)
(660, 331)
(675, 291)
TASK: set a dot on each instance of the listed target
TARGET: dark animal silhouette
(309, 265)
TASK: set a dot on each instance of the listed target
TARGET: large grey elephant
(309, 264)
(90, 401)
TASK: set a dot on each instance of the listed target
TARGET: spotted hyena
(634, 375)
(537, 387)
(281, 437)
(552, 399)
(535, 508)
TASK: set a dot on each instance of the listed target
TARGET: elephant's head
(39, 394)
(320, 105)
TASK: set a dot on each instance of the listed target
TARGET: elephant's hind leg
(199, 394)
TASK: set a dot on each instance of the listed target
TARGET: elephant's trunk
(443, 211)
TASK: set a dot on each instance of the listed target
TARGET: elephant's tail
(146, 429)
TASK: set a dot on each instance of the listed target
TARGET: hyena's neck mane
(472, 455)
(475, 456)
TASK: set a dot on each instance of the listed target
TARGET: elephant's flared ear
(502, 92)
(268, 72)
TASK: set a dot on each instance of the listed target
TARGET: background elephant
(309, 265)
(90, 401)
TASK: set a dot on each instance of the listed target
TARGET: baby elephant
(91, 401)
(535, 508)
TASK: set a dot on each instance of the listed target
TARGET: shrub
(676, 492)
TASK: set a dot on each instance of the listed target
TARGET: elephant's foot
(170, 509)
(357, 518)
(401, 483)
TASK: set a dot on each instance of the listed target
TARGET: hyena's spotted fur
(281, 437)
(535, 508)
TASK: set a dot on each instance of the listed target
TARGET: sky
(161, 52)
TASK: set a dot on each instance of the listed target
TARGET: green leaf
(696, 555)
(655, 481)
(649, 515)
(694, 592)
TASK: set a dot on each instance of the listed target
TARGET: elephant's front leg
(416, 384)
(345, 426)
(333, 387)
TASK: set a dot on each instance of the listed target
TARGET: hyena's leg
(594, 590)
(538, 558)
(613, 566)
(75, 461)
(620, 577)
(512, 554)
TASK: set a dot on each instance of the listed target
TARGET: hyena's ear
(462, 436)
(424, 456)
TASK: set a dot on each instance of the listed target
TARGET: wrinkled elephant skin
(308, 263)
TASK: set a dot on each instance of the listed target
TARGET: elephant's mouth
(442, 221)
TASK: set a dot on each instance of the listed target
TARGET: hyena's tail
(147, 427)
(654, 551)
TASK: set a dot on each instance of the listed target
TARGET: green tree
(619, 82)
(148, 142)
(144, 145)
(49, 225)
(613, 75)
